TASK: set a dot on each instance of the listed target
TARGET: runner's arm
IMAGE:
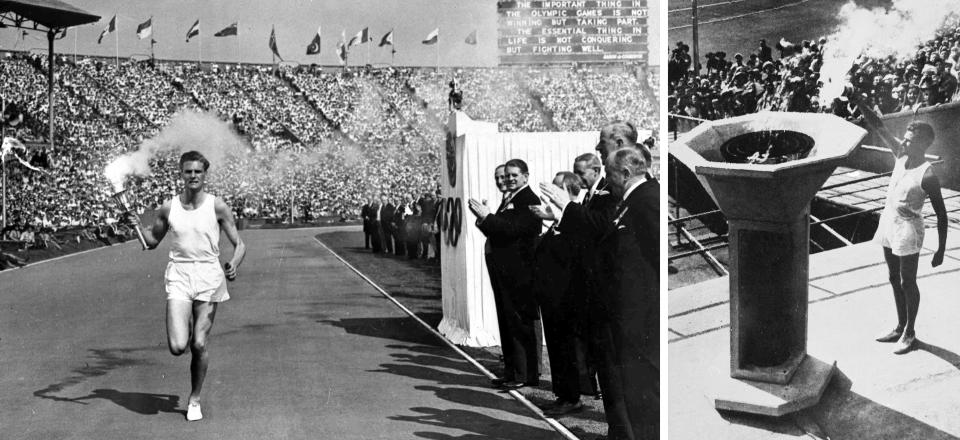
(229, 227)
(931, 185)
(153, 234)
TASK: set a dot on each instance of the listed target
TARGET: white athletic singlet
(194, 272)
(195, 233)
(901, 223)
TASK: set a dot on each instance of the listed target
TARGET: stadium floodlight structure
(52, 17)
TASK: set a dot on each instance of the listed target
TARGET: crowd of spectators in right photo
(724, 86)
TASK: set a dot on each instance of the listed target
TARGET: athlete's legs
(179, 317)
(203, 314)
(908, 282)
(894, 269)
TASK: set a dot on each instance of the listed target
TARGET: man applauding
(512, 232)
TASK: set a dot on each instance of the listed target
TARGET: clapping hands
(478, 209)
(559, 197)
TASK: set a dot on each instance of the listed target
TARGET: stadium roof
(51, 14)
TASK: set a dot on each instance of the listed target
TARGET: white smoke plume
(187, 130)
(878, 32)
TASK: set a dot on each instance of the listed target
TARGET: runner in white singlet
(900, 230)
(195, 282)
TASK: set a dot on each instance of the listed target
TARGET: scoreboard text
(563, 31)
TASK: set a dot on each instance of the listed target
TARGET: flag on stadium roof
(432, 37)
(61, 35)
(472, 38)
(227, 31)
(314, 47)
(362, 36)
(387, 39)
(194, 30)
(342, 48)
(273, 42)
(145, 29)
(112, 26)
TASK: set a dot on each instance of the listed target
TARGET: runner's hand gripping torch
(121, 199)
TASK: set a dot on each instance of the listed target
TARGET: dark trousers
(520, 339)
(562, 345)
(413, 249)
(387, 238)
(641, 383)
(377, 233)
(609, 372)
(400, 241)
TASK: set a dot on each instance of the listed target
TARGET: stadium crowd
(296, 121)
(724, 86)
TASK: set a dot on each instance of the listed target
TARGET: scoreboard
(564, 31)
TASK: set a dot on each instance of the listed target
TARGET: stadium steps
(400, 114)
(335, 130)
(537, 99)
(302, 96)
(593, 97)
(287, 132)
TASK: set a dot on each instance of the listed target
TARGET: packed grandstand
(786, 76)
(321, 140)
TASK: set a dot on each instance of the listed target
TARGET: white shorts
(196, 281)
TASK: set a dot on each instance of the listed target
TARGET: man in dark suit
(512, 233)
(387, 211)
(557, 260)
(428, 223)
(411, 227)
(376, 225)
(594, 220)
(366, 213)
(630, 257)
(399, 225)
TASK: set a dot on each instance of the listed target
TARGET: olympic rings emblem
(451, 220)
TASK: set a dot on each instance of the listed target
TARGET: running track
(304, 350)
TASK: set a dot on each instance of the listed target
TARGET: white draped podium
(472, 152)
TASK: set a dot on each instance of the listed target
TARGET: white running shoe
(193, 412)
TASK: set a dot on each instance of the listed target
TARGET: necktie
(504, 202)
(621, 210)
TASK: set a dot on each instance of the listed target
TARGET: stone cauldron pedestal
(767, 207)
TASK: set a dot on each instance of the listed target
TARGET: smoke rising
(187, 130)
(876, 33)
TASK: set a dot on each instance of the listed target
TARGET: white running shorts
(196, 281)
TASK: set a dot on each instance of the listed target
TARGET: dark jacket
(512, 234)
(629, 256)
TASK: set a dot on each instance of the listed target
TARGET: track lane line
(556, 425)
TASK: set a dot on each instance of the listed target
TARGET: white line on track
(62, 257)
(735, 17)
(707, 6)
(516, 394)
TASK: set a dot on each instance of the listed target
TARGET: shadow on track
(403, 329)
(141, 403)
(105, 360)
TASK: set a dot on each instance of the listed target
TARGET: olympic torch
(121, 199)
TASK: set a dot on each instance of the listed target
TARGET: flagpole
(76, 33)
(116, 38)
(438, 51)
(3, 161)
(152, 57)
(239, 55)
(200, 43)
